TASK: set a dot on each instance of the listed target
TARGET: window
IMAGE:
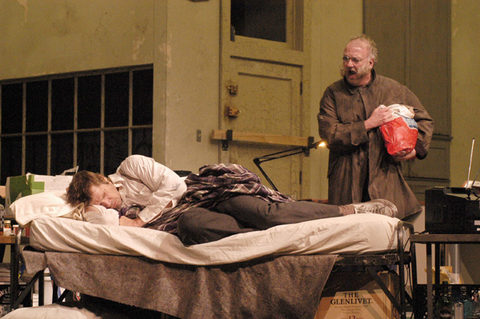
(266, 19)
(93, 120)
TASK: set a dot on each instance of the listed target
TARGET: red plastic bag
(401, 133)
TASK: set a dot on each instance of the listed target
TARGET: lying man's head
(83, 185)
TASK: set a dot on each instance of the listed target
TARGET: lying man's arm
(100, 215)
(125, 221)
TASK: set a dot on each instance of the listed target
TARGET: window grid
(102, 129)
(49, 127)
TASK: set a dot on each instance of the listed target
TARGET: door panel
(268, 99)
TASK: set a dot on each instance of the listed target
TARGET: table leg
(14, 269)
(429, 282)
(41, 290)
(437, 270)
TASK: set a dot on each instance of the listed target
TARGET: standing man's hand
(404, 156)
(380, 116)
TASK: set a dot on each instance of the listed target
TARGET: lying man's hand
(125, 221)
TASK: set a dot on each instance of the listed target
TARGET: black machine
(452, 210)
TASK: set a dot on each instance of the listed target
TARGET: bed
(276, 273)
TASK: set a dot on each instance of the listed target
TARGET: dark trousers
(246, 213)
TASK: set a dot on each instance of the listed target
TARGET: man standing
(360, 168)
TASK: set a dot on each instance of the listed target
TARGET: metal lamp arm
(270, 157)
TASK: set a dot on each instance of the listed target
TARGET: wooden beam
(261, 138)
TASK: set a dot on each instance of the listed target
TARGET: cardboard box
(357, 296)
(5, 294)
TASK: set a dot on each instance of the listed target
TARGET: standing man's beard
(361, 72)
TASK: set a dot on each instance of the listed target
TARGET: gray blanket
(274, 287)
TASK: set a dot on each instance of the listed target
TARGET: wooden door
(262, 73)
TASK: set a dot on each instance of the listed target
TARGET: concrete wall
(181, 39)
(465, 110)
(48, 37)
(192, 88)
(465, 88)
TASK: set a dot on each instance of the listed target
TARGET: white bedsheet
(354, 234)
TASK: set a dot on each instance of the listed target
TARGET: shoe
(376, 206)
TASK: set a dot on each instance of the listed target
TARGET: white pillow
(47, 204)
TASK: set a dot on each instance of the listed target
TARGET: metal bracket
(229, 137)
(232, 89)
(232, 112)
(306, 150)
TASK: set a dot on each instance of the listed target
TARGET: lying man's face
(105, 195)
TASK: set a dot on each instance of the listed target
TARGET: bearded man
(351, 113)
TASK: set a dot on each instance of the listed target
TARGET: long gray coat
(354, 153)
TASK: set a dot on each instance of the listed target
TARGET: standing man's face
(357, 63)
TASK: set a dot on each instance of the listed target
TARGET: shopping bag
(400, 134)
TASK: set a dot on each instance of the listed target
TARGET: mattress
(353, 234)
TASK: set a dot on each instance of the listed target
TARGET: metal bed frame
(403, 257)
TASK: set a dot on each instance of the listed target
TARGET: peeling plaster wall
(192, 88)
(465, 88)
(465, 111)
(47, 37)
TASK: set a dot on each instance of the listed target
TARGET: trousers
(245, 213)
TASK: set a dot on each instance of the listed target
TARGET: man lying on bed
(222, 200)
